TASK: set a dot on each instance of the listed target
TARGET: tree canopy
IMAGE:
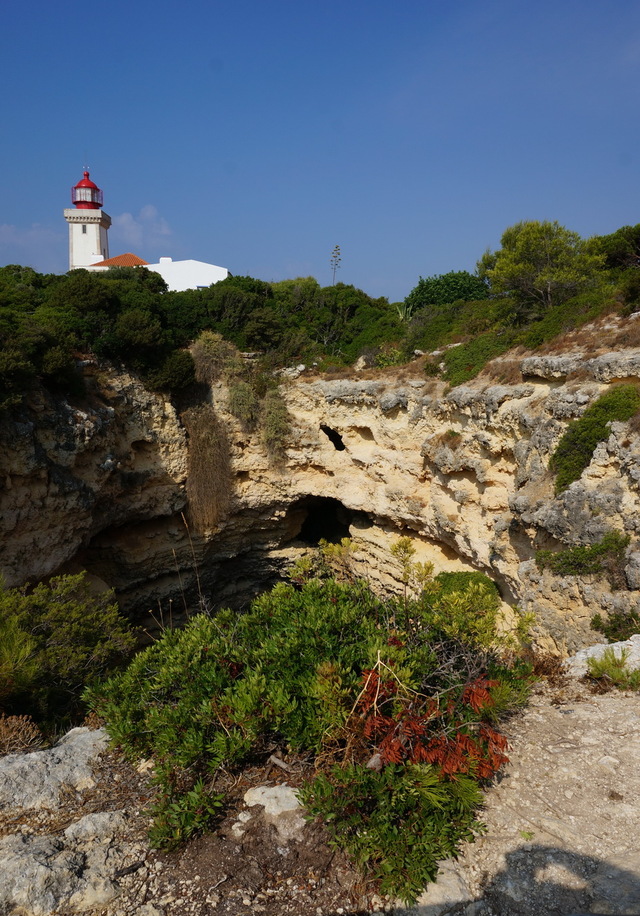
(621, 249)
(541, 264)
(442, 289)
(128, 316)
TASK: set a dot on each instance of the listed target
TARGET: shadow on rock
(541, 880)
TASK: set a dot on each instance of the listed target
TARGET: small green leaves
(575, 450)
(327, 669)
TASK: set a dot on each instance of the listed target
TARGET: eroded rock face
(464, 473)
(70, 471)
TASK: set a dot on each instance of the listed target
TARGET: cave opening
(315, 518)
(334, 437)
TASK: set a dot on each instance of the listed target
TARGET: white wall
(86, 248)
(181, 275)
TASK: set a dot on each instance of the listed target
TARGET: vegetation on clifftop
(543, 280)
(606, 558)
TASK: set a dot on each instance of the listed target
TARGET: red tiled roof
(122, 260)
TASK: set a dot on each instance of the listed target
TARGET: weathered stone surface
(463, 473)
(71, 873)
(36, 780)
(632, 570)
(603, 368)
(281, 808)
(69, 472)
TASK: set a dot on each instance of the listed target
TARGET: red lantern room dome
(86, 195)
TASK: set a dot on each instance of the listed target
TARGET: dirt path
(563, 822)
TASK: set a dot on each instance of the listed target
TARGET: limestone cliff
(71, 470)
(102, 485)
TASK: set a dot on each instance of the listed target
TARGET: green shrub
(388, 356)
(612, 669)
(325, 669)
(275, 425)
(56, 638)
(18, 664)
(445, 288)
(16, 373)
(568, 315)
(176, 373)
(464, 362)
(606, 558)
(396, 824)
(575, 450)
(618, 626)
(59, 369)
(243, 403)
(177, 818)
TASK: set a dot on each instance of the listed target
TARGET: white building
(88, 225)
(89, 245)
(190, 274)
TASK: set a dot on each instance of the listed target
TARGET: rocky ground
(562, 828)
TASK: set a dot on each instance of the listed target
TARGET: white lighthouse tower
(88, 225)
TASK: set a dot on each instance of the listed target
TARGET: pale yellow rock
(463, 474)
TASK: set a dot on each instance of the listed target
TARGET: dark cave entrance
(334, 437)
(315, 518)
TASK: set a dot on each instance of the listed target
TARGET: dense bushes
(464, 362)
(575, 449)
(396, 699)
(542, 282)
(54, 639)
(127, 316)
(455, 286)
(606, 558)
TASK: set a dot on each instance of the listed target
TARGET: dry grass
(209, 468)
(214, 357)
(628, 335)
(19, 735)
(504, 371)
(548, 667)
(609, 332)
(403, 372)
(634, 424)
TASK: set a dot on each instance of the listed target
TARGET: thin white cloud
(41, 247)
(143, 234)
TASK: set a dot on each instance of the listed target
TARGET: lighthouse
(88, 225)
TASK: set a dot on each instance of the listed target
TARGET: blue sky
(258, 135)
